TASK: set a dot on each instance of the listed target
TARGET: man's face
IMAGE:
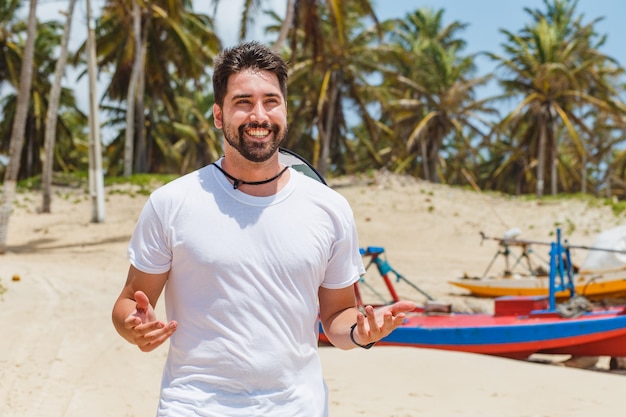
(254, 116)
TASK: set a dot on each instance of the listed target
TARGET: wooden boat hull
(589, 285)
(525, 321)
(597, 333)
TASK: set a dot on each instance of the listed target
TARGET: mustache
(257, 125)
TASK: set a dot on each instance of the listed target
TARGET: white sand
(61, 357)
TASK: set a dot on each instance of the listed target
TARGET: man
(248, 253)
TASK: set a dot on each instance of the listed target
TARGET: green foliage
(618, 207)
(142, 184)
(398, 95)
(567, 226)
(74, 179)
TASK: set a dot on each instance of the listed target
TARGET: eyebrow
(240, 96)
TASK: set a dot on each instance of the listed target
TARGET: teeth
(258, 133)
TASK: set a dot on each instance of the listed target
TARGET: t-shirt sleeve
(149, 249)
(345, 266)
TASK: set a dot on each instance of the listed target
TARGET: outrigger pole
(506, 243)
(384, 269)
(524, 242)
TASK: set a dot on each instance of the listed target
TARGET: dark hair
(250, 55)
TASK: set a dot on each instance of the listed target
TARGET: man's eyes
(273, 101)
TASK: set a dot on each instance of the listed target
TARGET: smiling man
(250, 254)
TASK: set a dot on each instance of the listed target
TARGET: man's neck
(259, 179)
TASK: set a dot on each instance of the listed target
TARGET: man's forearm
(338, 327)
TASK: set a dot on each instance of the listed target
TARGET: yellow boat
(602, 274)
(590, 284)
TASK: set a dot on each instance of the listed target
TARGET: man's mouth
(259, 133)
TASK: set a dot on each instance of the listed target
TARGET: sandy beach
(61, 357)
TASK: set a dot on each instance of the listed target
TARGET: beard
(253, 150)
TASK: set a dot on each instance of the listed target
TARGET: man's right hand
(146, 331)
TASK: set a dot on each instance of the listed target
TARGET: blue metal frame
(561, 265)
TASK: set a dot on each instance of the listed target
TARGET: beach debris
(617, 363)
(581, 362)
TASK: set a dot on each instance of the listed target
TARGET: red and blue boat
(520, 325)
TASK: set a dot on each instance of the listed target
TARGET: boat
(520, 325)
(598, 284)
(601, 276)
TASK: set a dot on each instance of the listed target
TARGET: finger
(360, 323)
(154, 339)
(142, 301)
(148, 334)
(398, 320)
(145, 329)
(388, 320)
(373, 323)
(402, 307)
(132, 321)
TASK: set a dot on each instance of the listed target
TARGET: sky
(484, 19)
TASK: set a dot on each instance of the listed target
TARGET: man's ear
(217, 116)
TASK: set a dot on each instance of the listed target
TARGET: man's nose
(258, 113)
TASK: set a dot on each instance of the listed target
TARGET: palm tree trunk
(583, 173)
(434, 155)
(96, 177)
(284, 29)
(329, 124)
(554, 174)
(19, 126)
(51, 116)
(425, 159)
(541, 157)
(141, 153)
(132, 93)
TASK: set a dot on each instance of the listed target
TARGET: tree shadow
(45, 245)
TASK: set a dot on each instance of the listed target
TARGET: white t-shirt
(243, 284)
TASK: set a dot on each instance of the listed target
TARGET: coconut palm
(251, 9)
(10, 50)
(52, 113)
(555, 66)
(331, 81)
(181, 142)
(19, 126)
(433, 106)
(45, 59)
(310, 24)
(132, 96)
(179, 48)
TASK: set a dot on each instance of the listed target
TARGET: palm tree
(44, 64)
(180, 141)
(52, 114)
(433, 102)
(19, 125)
(10, 51)
(335, 74)
(179, 47)
(555, 66)
(250, 10)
